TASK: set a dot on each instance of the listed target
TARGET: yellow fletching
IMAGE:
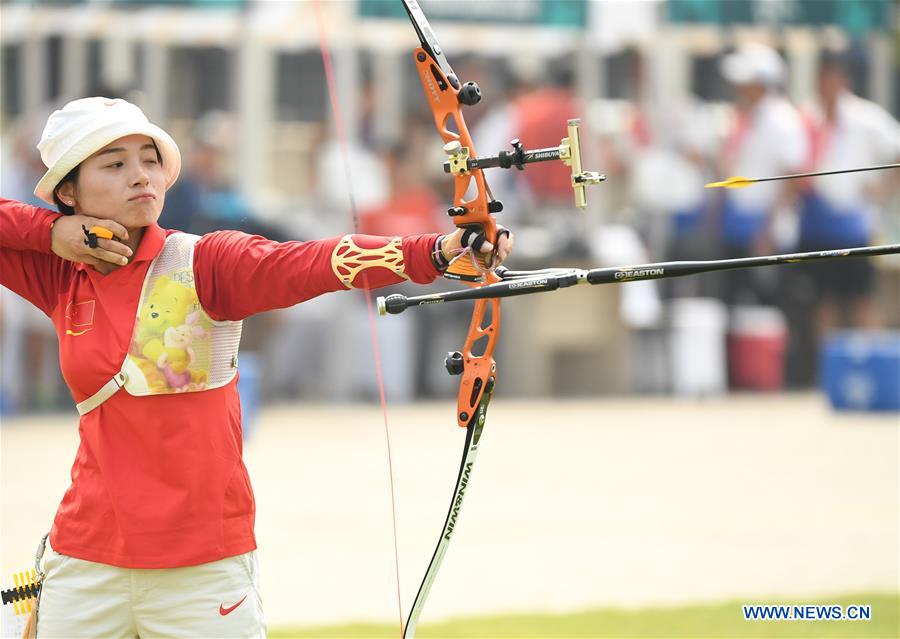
(735, 182)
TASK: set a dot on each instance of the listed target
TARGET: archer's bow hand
(67, 240)
(472, 239)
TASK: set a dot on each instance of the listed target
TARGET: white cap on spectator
(753, 64)
(83, 127)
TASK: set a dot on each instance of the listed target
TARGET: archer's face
(124, 181)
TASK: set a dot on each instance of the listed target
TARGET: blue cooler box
(860, 370)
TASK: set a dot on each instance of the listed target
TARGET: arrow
(739, 182)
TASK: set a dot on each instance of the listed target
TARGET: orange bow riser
(447, 96)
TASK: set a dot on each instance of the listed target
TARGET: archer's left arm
(238, 275)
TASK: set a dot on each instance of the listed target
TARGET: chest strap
(109, 389)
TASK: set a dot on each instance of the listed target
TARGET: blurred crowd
(668, 151)
(657, 153)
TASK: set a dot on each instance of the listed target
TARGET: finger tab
(102, 231)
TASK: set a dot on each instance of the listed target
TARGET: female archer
(155, 534)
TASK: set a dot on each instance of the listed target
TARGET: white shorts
(87, 599)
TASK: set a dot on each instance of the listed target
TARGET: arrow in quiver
(24, 595)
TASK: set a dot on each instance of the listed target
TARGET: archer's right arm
(27, 265)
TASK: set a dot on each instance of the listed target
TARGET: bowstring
(345, 156)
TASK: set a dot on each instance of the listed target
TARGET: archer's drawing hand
(67, 240)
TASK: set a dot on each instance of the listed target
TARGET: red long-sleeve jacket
(158, 481)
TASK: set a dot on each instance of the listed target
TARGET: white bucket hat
(754, 64)
(83, 127)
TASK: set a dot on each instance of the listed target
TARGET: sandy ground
(572, 504)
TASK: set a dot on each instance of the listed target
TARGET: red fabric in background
(542, 118)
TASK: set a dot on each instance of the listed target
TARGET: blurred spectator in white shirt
(846, 132)
(840, 211)
(669, 144)
(768, 137)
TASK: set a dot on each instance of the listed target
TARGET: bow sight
(568, 151)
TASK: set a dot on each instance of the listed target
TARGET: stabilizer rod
(516, 283)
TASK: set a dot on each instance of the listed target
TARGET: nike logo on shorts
(224, 611)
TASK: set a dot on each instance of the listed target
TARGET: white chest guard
(175, 346)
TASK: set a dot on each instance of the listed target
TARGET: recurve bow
(447, 95)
